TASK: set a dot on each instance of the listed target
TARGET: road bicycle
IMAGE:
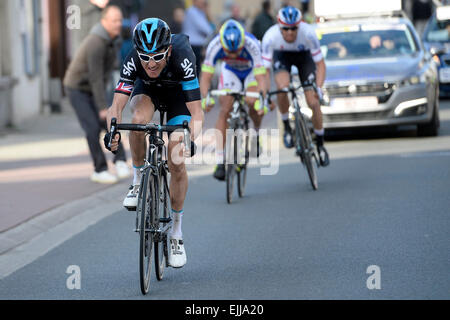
(153, 213)
(236, 161)
(303, 142)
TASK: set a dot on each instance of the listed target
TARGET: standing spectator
(176, 24)
(85, 82)
(305, 6)
(263, 21)
(130, 11)
(90, 17)
(198, 28)
(421, 12)
(234, 12)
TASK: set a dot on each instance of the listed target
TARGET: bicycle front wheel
(161, 246)
(231, 168)
(304, 148)
(146, 209)
(230, 174)
(243, 163)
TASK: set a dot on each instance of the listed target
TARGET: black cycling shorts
(167, 99)
(284, 60)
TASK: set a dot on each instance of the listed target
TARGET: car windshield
(366, 41)
(438, 31)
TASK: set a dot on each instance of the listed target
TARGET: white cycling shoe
(177, 253)
(131, 200)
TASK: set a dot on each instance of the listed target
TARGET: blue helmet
(232, 36)
(289, 16)
(151, 35)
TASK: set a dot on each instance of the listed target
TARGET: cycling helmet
(289, 16)
(232, 36)
(151, 35)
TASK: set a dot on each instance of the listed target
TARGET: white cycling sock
(319, 132)
(219, 156)
(176, 226)
(137, 175)
(285, 116)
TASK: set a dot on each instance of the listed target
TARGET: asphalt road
(384, 201)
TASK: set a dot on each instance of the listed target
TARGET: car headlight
(414, 80)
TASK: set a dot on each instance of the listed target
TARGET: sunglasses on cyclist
(157, 57)
(289, 28)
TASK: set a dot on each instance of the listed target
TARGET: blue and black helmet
(151, 35)
(289, 16)
(232, 36)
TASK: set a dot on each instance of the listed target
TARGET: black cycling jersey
(180, 72)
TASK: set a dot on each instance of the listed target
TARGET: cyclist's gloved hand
(208, 107)
(320, 93)
(258, 107)
(107, 138)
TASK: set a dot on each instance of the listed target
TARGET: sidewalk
(44, 164)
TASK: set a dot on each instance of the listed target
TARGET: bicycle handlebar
(152, 127)
(292, 89)
(249, 94)
(235, 93)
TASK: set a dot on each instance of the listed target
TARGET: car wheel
(430, 129)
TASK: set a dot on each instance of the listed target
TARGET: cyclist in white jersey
(293, 42)
(242, 69)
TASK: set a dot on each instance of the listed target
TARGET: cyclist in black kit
(160, 74)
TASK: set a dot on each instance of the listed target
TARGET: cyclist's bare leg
(143, 110)
(178, 178)
(226, 105)
(282, 80)
(178, 190)
(313, 102)
(257, 119)
(312, 99)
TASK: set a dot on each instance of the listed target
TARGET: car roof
(363, 21)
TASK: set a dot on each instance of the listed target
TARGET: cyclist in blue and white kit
(242, 69)
(293, 42)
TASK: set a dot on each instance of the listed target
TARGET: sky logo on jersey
(129, 67)
(188, 68)
(124, 88)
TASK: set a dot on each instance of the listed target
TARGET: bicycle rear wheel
(146, 209)
(161, 246)
(304, 147)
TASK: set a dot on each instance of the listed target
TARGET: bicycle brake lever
(187, 139)
(113, 132)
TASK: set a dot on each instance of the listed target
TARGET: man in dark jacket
(85, 83)
(263, 21)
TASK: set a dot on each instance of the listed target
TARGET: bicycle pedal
(165, 220)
